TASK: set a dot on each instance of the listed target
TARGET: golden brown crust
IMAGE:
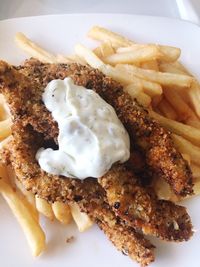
(161, 157)
(88, 194)
(141, 209)
(33, 125)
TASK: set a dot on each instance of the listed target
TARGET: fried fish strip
(162, 158)
(88, 194)
(141, 209)
(150, 220)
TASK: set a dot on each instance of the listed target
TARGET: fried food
(34, 127)
(161, 156)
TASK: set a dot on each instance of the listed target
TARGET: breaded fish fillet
(161, 157)
(23, 90)
(88, 194)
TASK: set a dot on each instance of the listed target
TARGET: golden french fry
(167, 53)
(188, 132)
(105, 49)
(76, 59)
(44, 208)
(197, 187)
(4, 109)
(81, 219)
(185, 113)
(33, 49)
(162, 78)
(62, 212)
(150, 65)
(174, 67)
(156, 100)
(186, 157)
(63, 59)
(88, 56)
(5, 128)
(138, 56)
(5, 142)
(194, 97)
(186, 147)
(32, 230)
(102, 34)
(167, 110)
(195, 170)
(135, 91)
(150, 88)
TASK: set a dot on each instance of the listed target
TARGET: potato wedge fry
(31, 228)
(162, 78)
(188, 132)
(138, 56)
(44, 208)
(104, 50)
(167, 110)
(62, 212)
(186, 147)
(81, 219)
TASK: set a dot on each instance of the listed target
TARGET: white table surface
(184, 9)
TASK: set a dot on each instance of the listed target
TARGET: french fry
(138, 56)
(174, 67)
(168, 53)
(194, 97)
(33, 49)
(150, 65)
(104, 50)
(4, 110)
(102, 34)
(197, 187)
(31, 228)
(185, 113)
(135, 91)
(186, 147)
(188, 132)
(5, 128)
(167, 110)
(44, 208)
(81, 219)
(88, 56)
(186, 157)
(195, 170)
(162, 78)
(156, 100)
(62, 212)
(5, 142)
(150, 88)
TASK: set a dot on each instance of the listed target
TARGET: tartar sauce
(91, 137)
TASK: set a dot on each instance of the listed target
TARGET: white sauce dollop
(91, 137)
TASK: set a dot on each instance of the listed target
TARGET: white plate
(59, 33)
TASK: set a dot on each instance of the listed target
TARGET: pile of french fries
(153, 75)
